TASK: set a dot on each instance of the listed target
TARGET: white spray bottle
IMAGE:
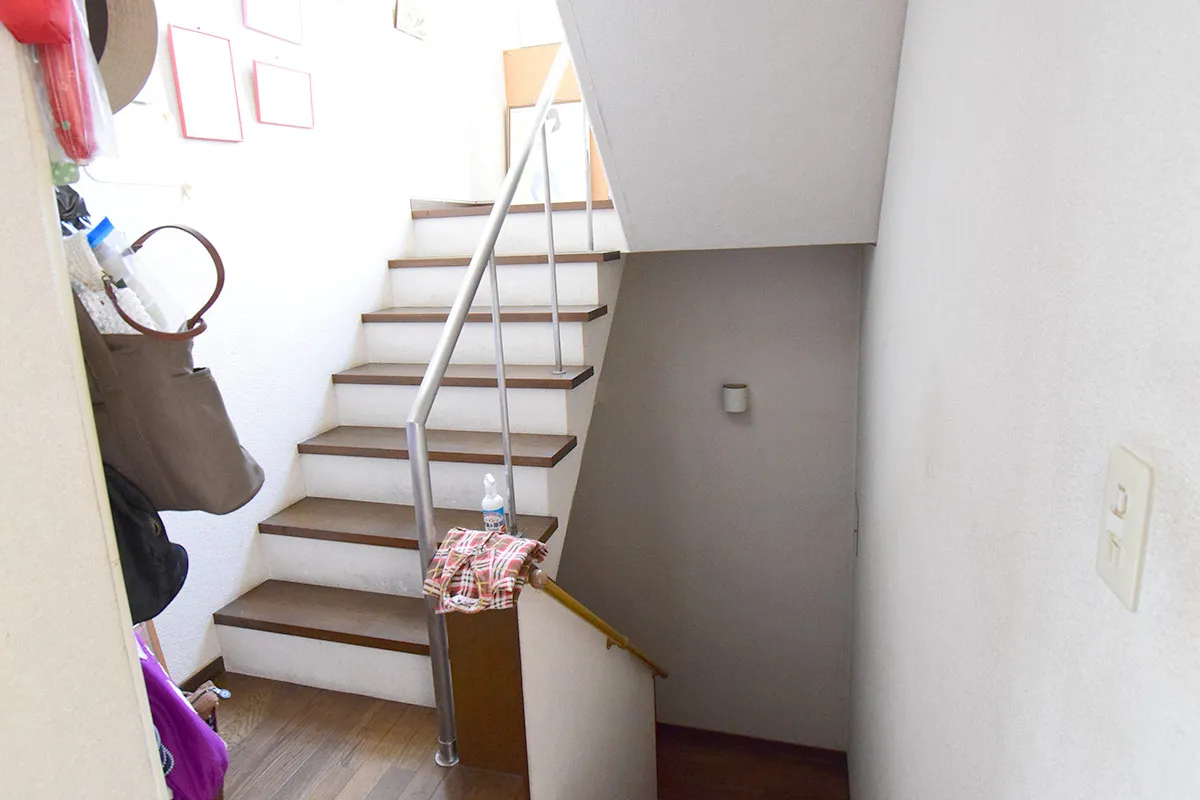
(493, 507)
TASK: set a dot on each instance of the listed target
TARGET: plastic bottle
(493, 507)
(116, 259)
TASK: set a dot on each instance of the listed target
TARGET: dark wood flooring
(698, 765)
(289, 742)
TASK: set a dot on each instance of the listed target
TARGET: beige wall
(1032, 302)
(723, 544)
(75, 720)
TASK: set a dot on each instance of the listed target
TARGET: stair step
(507, 314)
(530, 258)
(366, 619)
(379, 524)
(470, 447)
(476, 375)
(434, 209)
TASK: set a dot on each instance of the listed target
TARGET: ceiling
(727, 123)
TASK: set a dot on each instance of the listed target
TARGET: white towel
(87, 281)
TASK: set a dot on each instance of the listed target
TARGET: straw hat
(124, 35)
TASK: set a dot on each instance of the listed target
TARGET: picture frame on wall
(410, 18)
(283, 19)
(283, 96)
(205, 85)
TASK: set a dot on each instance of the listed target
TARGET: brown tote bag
(161, 422)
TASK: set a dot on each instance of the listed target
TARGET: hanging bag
(161, 422)
(153, 566)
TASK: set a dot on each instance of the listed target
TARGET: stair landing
(288, 742)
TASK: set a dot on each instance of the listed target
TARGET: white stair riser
(366, 568)
(524, 342)
(388, 480)
(522, 233)
(520, 285)
(460, 408)
(388, 675)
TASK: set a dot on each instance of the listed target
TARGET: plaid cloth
(477, 571)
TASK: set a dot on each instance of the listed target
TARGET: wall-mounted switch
(1126, 517)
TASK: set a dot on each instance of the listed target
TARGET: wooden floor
(289, 742)
(696, 765)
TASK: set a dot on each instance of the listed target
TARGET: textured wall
(723, 544)
(1032, 302)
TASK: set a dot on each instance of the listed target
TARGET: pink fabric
(200, 756)
(477, 571)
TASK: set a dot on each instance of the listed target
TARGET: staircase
(342, 608)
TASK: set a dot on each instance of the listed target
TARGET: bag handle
(194, 326)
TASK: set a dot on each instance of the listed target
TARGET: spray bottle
(493, 507)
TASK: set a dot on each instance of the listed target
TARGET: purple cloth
(200, 755)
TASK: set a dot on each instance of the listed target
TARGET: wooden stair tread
(479, 375)
(380, 524)
(471, 447)
(367, 619)
(523, 258)
(452, 209)
(507, 314)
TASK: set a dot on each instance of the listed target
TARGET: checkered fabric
(477, 571)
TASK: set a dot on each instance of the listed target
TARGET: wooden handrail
(540, 580)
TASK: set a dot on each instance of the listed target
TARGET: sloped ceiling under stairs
(727, 123)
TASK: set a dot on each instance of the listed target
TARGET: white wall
(740, 124)
(722, 545)
(76, 723)
(305, 221)
(589, 709)
(1032, 302)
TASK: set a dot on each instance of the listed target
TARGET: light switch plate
(1127, 491)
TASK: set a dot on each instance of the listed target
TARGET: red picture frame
(288, 107)
(205, 85)
(263, 16)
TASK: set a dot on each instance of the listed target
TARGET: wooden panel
(532, 258)
(507, 314)
(477, 375)
(525, 70)
(449, 209)
(485, 652)
(378, 524)
(470, 447)
(367, 619)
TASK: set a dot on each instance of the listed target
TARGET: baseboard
(803, 751)
(210, 672)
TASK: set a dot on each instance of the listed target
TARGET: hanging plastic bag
(37, 21)
(73, 95)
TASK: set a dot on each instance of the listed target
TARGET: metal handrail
(418, 446)
(540, 580)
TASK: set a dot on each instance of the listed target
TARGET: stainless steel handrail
(587, 160)
(418, 446)
(550, 254)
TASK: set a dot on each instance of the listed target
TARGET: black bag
(154, 568)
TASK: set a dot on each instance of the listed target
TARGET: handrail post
(558, 359)
(418, 417)
(439, 642)
(587, 149)
(510, 503)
